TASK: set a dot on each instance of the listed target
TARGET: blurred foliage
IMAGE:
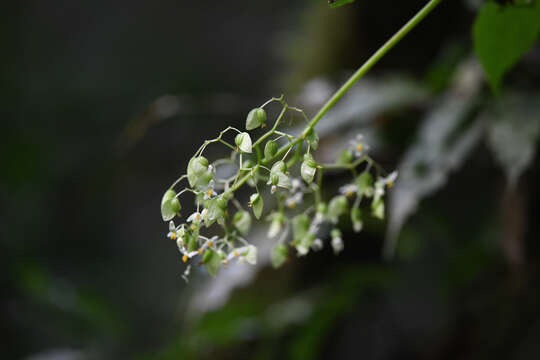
(503, 34)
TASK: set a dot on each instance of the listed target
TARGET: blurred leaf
(502, 35)
(514, 127)
(338, 3)
(444, 140)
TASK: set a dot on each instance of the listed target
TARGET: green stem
(411, 24)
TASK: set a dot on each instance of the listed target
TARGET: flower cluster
(301, 219)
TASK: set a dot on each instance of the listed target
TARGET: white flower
(180, 243)
(390, 179)
(358, 145)
(348, 190)
(317, 244)
(195, 217)
(294, 200)
(209, 190)
(296, 184)
(247, 254)
(357, 226)
(301, 250)
(337, 245)
(316, 223)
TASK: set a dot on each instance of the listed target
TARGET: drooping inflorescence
(290, 178)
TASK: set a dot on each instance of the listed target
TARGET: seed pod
(270, 149)
(345, 156)
(256, 203)
(279, 255)
(243, 141)
(308, 168)
(256, 117)
(170, 205)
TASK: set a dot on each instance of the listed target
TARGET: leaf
(514, 128)
(502, 35)
(338, 3)
(443, 142)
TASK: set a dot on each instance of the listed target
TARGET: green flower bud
(276, 224)
(170, 205)
(191, 240)
(256, 202)
(248, 164)
(364, 183)
(313, 139)
(300, 227)
(256, 117)
(345, 156)
(274, 178)
(279, 255)
(270, 149)
(222, 203)
(322, 208)
(242, 222)
(243, 141)
(356, 219)
(279, 166)
(335, 233)
(336, 207)
(377, 208)
(308, 168)
(211, 261)
(278, 169)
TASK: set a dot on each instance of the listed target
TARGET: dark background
(104, 103)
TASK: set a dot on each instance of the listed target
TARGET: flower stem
(411, 24)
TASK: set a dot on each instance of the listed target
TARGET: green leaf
(211, 261)
(256, 202)
(338, 3)
(279, 255)
(502, 35)
(170, 205)
(513, 131)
